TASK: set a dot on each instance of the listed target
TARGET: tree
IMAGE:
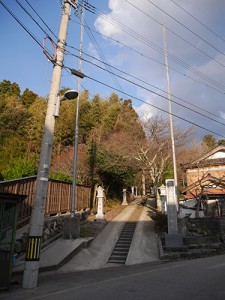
(19, 168)
(35, 127)
(8, 89)
(28, 97)
(221, 142)
(113, 164)
(63, 164)
(209, 141)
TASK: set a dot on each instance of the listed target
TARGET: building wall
(197, 174)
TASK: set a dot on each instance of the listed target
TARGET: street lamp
(69, 95)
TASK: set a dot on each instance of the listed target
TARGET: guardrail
(58, 196)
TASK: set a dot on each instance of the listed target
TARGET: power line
(152, 105)
(24, 27)
(24, 9)
(174, 33)
(21, 24)
(96, 65)
(158, 108)
(150, 58)
(147, 84)
(153, 92)
(41, 19)
(158, 49)
(186, 27)
(100, 52)
(209, 29)
(92, 38)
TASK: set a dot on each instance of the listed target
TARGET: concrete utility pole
(31, 269)
(171, 117)
(76, 132)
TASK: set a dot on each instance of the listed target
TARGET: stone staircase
(122, 247)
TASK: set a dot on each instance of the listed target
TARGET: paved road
(184, 280)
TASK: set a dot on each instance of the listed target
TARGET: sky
(126, 37)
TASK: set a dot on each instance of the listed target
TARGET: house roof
(205, 159)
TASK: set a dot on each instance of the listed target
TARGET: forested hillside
(114, 145)
(21, 127)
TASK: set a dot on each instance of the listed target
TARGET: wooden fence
(58, 196)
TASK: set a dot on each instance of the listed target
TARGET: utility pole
(31, 269)
(171, 117)
(76, 132)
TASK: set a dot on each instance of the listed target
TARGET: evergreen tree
(28, 97)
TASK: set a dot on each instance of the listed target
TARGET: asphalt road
(194, 279)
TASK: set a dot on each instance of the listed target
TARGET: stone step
(127, 234)
(123, 243)
(125, 239)
(119, 253)
(114, 261)
(121, 249)
(118, 258)
(125, 247)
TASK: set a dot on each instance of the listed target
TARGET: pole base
(71, 228)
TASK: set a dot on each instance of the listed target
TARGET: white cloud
(145, 35)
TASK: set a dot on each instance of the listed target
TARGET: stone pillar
(143, 184)
(100, 211)
(136, 191)
(132, 192)
(172, 239)
(124, 197)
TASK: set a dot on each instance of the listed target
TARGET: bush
(161, 224)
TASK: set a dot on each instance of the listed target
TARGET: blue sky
(195, 43)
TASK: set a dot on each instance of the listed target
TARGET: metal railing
(58, 196)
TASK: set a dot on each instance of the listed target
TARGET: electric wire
(155, 93)
(107, 65)
(97, 47)
(128, 74)
(152, 59)
(92, 38)
(89, 37)
(158, 49)
(33, 37)
(21, 24)
(24, 27)
(158, 108)
(174, 33)
(194, 33)
(196, 19)
(42, 19)
(25, 10)
(152, 105)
